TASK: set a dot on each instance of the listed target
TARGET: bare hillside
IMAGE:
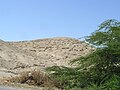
(54, 51)
(41, 53)
(12, 59)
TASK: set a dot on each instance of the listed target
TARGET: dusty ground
(16, 57)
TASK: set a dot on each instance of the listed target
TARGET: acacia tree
(100, 65)
(105, 61)
(107, 39)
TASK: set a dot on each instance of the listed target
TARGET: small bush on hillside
(35, 77)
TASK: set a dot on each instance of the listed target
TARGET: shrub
(35, 77)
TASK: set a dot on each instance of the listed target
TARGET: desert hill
(40, 53)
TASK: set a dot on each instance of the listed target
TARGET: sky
(36, 19)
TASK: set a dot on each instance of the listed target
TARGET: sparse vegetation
(99, 70)
(34, 77)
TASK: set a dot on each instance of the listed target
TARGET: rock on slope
(42, 53)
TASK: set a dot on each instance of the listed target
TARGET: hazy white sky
(33, 19)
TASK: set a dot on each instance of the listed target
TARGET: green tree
(107, 40)
(99, 66)
(105, 61)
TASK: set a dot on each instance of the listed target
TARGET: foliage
(99, 70)
(69, 77)
(112, 84)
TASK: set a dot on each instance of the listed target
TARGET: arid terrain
(16, 57)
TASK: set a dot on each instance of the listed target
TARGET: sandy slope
(26, 55)
(9, 88)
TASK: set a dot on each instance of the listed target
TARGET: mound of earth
(16, 57)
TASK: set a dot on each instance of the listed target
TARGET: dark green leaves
(99, 69)
(108, 31)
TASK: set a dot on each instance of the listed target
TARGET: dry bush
(34, 77)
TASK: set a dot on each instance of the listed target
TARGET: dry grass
(35, 77)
